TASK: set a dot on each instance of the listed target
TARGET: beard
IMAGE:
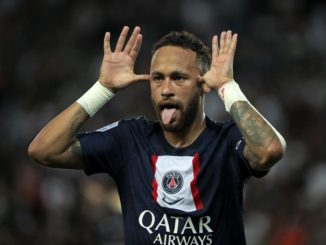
(188, 114)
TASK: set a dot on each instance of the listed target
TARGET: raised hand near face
(221, 70)
(117, 70)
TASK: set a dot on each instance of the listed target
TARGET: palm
(221, 70)
(117, 70)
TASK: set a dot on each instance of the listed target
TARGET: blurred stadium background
(50, 53)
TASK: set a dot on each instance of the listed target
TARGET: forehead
(170, 58)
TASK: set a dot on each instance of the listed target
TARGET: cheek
(154, 87)
(154, 95)
(187, 95)
(190, 99)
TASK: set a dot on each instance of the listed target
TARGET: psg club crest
(172, 182)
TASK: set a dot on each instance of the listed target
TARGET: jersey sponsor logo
(175, 182)
(176, 230)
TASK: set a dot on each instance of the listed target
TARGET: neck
(186, 136)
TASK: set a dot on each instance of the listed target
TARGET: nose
(166, 88)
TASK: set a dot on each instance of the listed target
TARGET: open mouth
(164, 106)
(168, 112)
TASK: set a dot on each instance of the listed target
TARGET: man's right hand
(117, 70)
(56, 144)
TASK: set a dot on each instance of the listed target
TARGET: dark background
(50, 54)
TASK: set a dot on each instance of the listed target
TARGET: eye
(157, 78)
(177, 78)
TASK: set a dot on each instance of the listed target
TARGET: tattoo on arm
(74, 159)
(76, 124)
(252, 126)
(70, 159)
(75, 148)
(258, 134)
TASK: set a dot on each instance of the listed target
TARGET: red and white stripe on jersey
(175, 183)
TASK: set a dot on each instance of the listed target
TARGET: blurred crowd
(50, 54)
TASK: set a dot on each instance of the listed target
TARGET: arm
(264, 145)
(56, 144)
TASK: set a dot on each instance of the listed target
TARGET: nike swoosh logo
(171, 203)
(238, 144)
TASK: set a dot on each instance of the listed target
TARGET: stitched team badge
(175, 182)
(172, 182)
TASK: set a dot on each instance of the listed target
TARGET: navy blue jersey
(190, 195)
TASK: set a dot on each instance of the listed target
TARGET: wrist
(95, 98)
(106, 83)
(230, 92)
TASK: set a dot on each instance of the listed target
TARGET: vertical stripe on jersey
(194, 189)
(154, 183)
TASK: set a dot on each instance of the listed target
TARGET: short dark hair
(187, 40)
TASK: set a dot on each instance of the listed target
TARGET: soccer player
(181, 178)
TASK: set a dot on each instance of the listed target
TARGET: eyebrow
(173, 73)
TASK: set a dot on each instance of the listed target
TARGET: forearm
(58, 135)
(264, 146)
(55, 145)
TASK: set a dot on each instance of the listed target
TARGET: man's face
(175, 92)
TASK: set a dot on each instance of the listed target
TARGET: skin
(174, 78)
(56, 144)
(263, 148)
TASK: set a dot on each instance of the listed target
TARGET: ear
(204, 87)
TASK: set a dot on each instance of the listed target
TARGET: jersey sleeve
(102, 150)
(237, 144)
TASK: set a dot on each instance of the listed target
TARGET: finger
(136, 47)
(106, 43)
(215, 46)
(132, 39)
(234, 43)
(222, 42)
(200, 79)
(122, 38)
(204, 86)
(228, 40)
(142, 77)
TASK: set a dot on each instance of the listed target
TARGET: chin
(174, 126)
(170, 127)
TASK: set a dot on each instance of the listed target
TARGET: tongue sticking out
(167, 115)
